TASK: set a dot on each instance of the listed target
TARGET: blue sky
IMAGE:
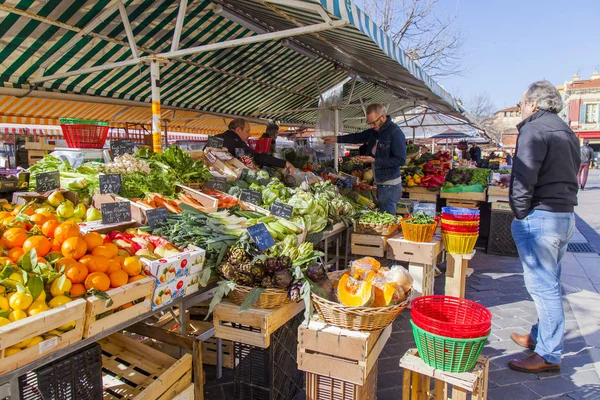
(509, 44)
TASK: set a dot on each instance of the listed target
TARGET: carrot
(172, 208)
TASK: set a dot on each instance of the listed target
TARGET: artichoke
(244, 279)
(285, 262)
(245, 267)
(316, 273)
(257, 272)
(294, 292)
(267, 282)
(272, 265)
(282, 279)
(237, 255)
(227, 271)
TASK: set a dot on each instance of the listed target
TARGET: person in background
(509, 159)
(492, 156)
(235, 138)
(475, 153)
(543, 194)
(386, 150)
(587, 156)
(272, 132)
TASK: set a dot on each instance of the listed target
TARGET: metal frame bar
(128, 31)
(302, 5)
(179, 24)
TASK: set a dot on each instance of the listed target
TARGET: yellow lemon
(10, 351)
(2, 290)
(20, 301)
(37, 307)
(17, 315)
(4, 304)
(15, 276)
(67, 327)
(35, 341)
(53, 332)
(41, 297)
(4, 321)
(57, 289)
(59, 301)
(22, 344)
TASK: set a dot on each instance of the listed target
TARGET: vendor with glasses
(386, 150)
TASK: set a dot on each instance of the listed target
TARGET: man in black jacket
(543, 194)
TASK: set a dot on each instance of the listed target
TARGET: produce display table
(336, 234)
(9, 382)
(456, 273)
(416, 383)
(423, 194)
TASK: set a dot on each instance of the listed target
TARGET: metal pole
(336, 129)
(155, 82)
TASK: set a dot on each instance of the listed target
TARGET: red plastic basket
(84, 134)
(460, 217)
(451, 316)
(458, 228)
(261, 145)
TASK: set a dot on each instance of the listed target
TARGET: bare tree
(481, 110)
(415, 25)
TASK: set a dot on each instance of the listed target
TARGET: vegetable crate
(269, 373)
(76, 376)
(369, 245)
(319, 387)
(338, 353)
(472, 196)
(208, 202)
(463, 203)
(254, 326)
(38, 325)
(128, 301)
(133, 370)
(423, 194)
(418, 377)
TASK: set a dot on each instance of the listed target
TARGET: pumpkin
(385, 295)
(354, 293)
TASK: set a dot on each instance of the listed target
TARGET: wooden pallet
(369, 245)
(416, 382)
(140, 291)
(135, 371)
(253, 326)
(345, 355)
(319, 387)
(474, 196)
(456, 273)
(37, 325)
(462, 203)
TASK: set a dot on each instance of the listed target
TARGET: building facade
(582, 107)
(504, 127)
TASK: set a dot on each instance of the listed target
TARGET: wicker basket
(370, 228)
(270, 298)
(421, 233)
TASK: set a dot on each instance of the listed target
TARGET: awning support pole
(155, 82)
(128, 31)
(179, 24)
(336, 130)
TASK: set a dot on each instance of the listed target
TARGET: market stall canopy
(258, 59)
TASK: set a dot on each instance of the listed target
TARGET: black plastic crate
(271, 373)
(74, 377)
(501, 242)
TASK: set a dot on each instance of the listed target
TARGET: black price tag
(261, 236)
(243, 175)
(110, 183)
(282, 210)
(115, 213)
(217, 183)
(47, 181)
(251, 196)
(156, 216)
(120, 147)
(214, 141)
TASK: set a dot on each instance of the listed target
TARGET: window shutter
(582, 114)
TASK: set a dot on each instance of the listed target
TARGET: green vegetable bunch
(421, 219)
(374, 217)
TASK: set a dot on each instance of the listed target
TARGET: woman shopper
(543, 194)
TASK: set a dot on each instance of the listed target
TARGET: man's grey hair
(545, 95)
(376, 108)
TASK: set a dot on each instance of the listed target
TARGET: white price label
(48, 345)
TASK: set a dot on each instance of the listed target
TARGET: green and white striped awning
(268, 80)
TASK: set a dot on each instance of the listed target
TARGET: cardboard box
(168, 269)
(165, 293)
(24, 197)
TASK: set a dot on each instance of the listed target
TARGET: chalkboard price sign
(261, 236)
(282, 210)
(214, 141)
(120, 147)
(47, 181)
(115, 213)
(217, 183)
(251, 196)
(156, 216)
(110, 183)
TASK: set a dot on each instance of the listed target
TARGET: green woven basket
(447, 354)
(75, 121)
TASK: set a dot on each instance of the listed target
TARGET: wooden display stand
(320, 387)
(338, 353)
(423, 194)
(457, 266)
(422, 259)
(416, 383)
(253, 326)
(369, 245)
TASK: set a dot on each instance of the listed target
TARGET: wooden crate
(416, 382)
(33, 156)
(423, 194)
(338, 353)
(209, 203)
(497, 191)
(401, 249)
(140, 291)
(319, 387)
(473, 196)
(462, 203)
(253, 326)
(135, 371)
(37, 325)
(501, 206)
(369, 245)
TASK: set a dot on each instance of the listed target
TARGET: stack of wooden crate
(36, 150)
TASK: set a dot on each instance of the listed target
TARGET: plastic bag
(398, 275)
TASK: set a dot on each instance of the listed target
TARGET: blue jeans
(388, 197)
(541, 240)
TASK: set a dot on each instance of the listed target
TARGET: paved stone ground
(497, 283)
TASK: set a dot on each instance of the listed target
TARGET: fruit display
(225, 201)
(427, 171)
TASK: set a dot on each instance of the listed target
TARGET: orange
(112, 248)
(97, 263)
(102, 250)
(56, 246)
(113, 266)
(3, 261)
(132, 266)
(65, 261)
(39, 219)
(76, 272)
(77, 289)
(29, 211)
(14, 237)
(74, 247)
(15, 253)
(42, 260)
(119, 259)
(136, 278)
(4, 214)
(66, 230)
(97, 280)
(93, 240)
(118, 278)
(127, 305)
(41, 244)
(49, 227)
